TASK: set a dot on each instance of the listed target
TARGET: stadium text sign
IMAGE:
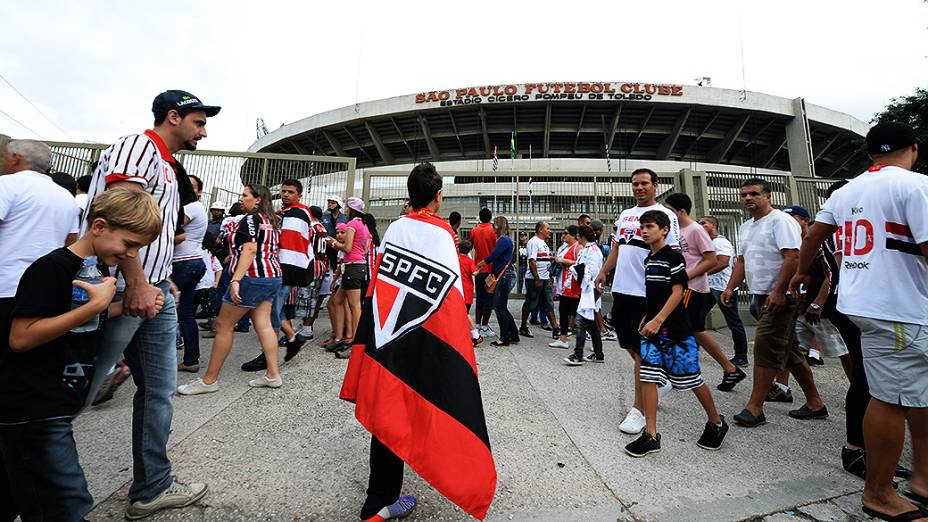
(550, 91)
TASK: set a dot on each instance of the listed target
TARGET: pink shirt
(361, 238)
(694, 242)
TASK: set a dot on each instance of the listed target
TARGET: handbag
(492, 279)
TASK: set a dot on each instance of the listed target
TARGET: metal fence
(224, 173)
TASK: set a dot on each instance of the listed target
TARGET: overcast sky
(93, 67)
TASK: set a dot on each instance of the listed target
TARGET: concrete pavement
(298, 454)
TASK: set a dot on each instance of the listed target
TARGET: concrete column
(799, 142)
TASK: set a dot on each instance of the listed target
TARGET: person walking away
(589, 263)
(718, 282)
(256, 279)
(883, 215)
(500, 263)
(468, 267)
(187, 269)
(484, 240)
(668, 348)
(769, 243)
(699, 253)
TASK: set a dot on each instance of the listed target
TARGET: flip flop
(907, 516)
(903, 472)
(915, 497)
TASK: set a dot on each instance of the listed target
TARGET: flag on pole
(412, 374)
(495, 160)
(512, 146)
(608, 161)
(529, 185)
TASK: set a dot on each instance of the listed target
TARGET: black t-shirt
(662, 270)
(816, 279)
(45, 382)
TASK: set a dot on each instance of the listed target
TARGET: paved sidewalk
(297, 453)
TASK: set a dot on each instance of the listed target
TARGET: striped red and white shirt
(295, 243)
(317, 245)
(146, 160)
(257, 228)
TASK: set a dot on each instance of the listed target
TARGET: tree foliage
(912, 109)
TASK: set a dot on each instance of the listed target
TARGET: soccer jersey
(570, 287)
(760, 242)
(484, 240)
(883, 215)
(146, 160)
(538, 249)
(629, 269)
(257, 228)
(294, 244)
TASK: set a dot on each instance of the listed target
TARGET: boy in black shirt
(46, 367)
(668, 350)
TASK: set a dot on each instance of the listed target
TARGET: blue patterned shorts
(663, 360)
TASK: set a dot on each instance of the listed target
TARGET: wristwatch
(815, 307)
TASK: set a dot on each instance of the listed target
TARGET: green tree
(912, 109)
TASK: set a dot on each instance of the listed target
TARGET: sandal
(334, 345)
(328, 341)
(907, 516)
(915, 497)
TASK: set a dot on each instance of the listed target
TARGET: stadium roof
(576, 120)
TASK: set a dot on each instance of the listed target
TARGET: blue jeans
(507, 325)
(42, 466)
(277, 308)
(186, 275)
(224, 280)
(150, 352)
(732, 319)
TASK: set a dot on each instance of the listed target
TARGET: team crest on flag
(408, 290)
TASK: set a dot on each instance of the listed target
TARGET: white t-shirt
(36, 216)
(81, 200)
(723, 247)
(537, 249)
(191, 246)
(629, 268)
(146, 160)
(761, 242)
(212, 266)
(883, 217)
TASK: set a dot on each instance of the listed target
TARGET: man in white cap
(217, 211)
(334, 214)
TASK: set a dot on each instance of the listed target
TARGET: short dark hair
(581, 217)
(762, 183)
(539, 225)
(315, 211)
(679, 201)
(646, 171)
(655, 216)
(65, 180)
(586, 233)
(485, 215)
(293, 183)
(182, 112)
(83, 183)
(198, 180)
(464, 246)
(572, 230)
(712, 219)
(835, 186)
(423, 184)
(454, 219)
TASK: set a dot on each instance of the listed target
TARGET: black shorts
(353, 276)
(627, 313)
(696, 305)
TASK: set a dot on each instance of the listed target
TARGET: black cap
(796, 210)
(177, 100)
(889, 136)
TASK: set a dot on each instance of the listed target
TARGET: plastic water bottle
(79, 297)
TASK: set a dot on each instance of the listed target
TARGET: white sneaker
(264, 382)
(306, 332)
(634, 422)
(486, 331)
(197, 387)
(557, 343)
(177, 495)
(663, 390)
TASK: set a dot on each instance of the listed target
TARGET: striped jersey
(317, 244)
(146, 160)
(257, 228)
(295, 244)
(629, 267)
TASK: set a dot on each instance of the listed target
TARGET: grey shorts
(896, 360)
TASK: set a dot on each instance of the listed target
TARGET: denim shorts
(254, 291)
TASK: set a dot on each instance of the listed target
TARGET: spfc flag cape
(412, 373)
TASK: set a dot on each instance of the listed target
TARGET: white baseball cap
(218, 205)
(336, 199)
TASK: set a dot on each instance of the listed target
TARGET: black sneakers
(731, 379)
(854, 461)
(573, 360)
(294, 347)
(644, 445)
(713, 435)
(525, 332)
(805, 413)
(255, 365)
(749, 420)
(592, 357)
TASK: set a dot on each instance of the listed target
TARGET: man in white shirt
(538, 278)
(882, 216)
(769, 244)
(718, 282)
(627, 258)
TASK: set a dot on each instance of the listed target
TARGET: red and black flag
(412, 373)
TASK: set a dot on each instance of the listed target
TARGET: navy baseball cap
(796, 210)
(889, 136)
(178, 100)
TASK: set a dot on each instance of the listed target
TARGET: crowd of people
(103, 275)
